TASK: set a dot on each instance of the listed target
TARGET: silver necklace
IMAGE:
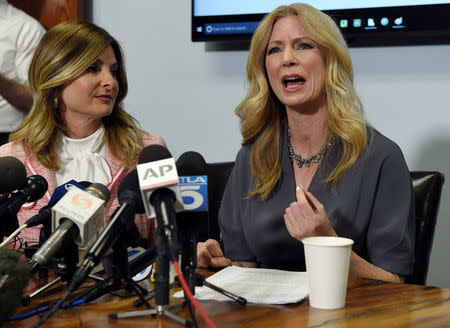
(314, 158)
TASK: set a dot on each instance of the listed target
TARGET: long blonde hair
(63, 53)
(262, 115)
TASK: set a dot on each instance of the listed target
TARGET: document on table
(263, 286)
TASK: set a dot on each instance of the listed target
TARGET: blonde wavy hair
(262, 115)
(65, 52)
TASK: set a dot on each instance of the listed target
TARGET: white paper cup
(327, 264)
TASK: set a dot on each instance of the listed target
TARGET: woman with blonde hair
(77, 128)
(310, 164)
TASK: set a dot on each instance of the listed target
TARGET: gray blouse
(372, 204)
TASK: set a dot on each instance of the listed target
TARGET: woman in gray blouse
(310, 164)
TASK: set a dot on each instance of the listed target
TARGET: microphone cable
(13, 235)
(53, 309)
(39, 310)
(190, 296)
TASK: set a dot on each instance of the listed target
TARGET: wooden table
(370, 303)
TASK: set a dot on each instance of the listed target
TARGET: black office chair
(218, 174)
(427, 193)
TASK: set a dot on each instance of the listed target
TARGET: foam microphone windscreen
(15, 274)
(191, 163)
(153, 153)
(130, 185)
(13, 174)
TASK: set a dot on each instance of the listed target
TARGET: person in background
(78, 128)
(310, 164)
(19, 37)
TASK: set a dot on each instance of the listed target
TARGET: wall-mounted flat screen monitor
(363, 23)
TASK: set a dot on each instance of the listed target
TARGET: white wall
(187, 92)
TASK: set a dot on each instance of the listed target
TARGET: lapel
(34, 167)
(117, 171)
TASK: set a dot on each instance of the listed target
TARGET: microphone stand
(121, 270)
(44, 233)
(70, 255)
(119, 274)
(189, 266)
(165, 218)
(188, 258)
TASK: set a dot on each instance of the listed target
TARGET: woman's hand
(307, 217)
(209, 254)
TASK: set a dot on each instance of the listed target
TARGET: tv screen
(363, 23)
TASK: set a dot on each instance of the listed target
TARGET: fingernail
(298, 188)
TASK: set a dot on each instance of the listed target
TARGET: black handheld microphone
(13, 174)
(192, 169)
(193, 222)
(34, 188)
(130, 199)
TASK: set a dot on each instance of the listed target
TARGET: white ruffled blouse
(83, 159)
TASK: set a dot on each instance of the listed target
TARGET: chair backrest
(218, 174)
(427, 193)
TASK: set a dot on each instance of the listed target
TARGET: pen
(236, 298)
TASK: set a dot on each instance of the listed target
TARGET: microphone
(14, 277)
(192, 169)
(70, 227)
(86, 209)
(193, 222)
(157, 170)
(130, 199)
(45, 213)
(159, 183)
(34, 188)
(122, 220)
(62, 236)
(13, 174)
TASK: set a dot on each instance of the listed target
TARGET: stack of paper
(264, 286)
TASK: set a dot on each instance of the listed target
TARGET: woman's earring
(56, 102)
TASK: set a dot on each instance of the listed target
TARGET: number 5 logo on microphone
(194, 190)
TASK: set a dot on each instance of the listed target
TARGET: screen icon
(384, 21)
(370, 22)
(398, 21)
(199, 29)
(357, 22)
(343, 23)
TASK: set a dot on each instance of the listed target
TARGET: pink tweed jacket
(146, 226)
